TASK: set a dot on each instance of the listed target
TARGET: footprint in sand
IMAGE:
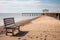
(31, 37)
(45, 37)
(54, 36)
(37, 37)
(19, 38)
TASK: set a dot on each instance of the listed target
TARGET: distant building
(45, 11)
(52, 14)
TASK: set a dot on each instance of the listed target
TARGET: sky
(29, 6)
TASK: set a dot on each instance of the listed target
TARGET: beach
(40, 28)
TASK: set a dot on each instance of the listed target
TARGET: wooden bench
(9, 23)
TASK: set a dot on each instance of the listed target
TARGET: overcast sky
(28, 6)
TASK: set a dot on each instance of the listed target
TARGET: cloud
(22, 6)
(21, 3)
(56, 10)
(17, 0)
(53, 4)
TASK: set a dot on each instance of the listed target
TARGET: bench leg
(6, 31)
(19, 29)
(13, 32)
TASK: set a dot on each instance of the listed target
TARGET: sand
(42, 28)
(44, 23)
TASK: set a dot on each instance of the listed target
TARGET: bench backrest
(8, 21)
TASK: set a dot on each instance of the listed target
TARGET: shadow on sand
(21, 33)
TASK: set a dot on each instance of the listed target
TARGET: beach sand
(41, 28)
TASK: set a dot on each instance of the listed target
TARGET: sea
(18, 16)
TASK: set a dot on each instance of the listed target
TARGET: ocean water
(17, 17)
